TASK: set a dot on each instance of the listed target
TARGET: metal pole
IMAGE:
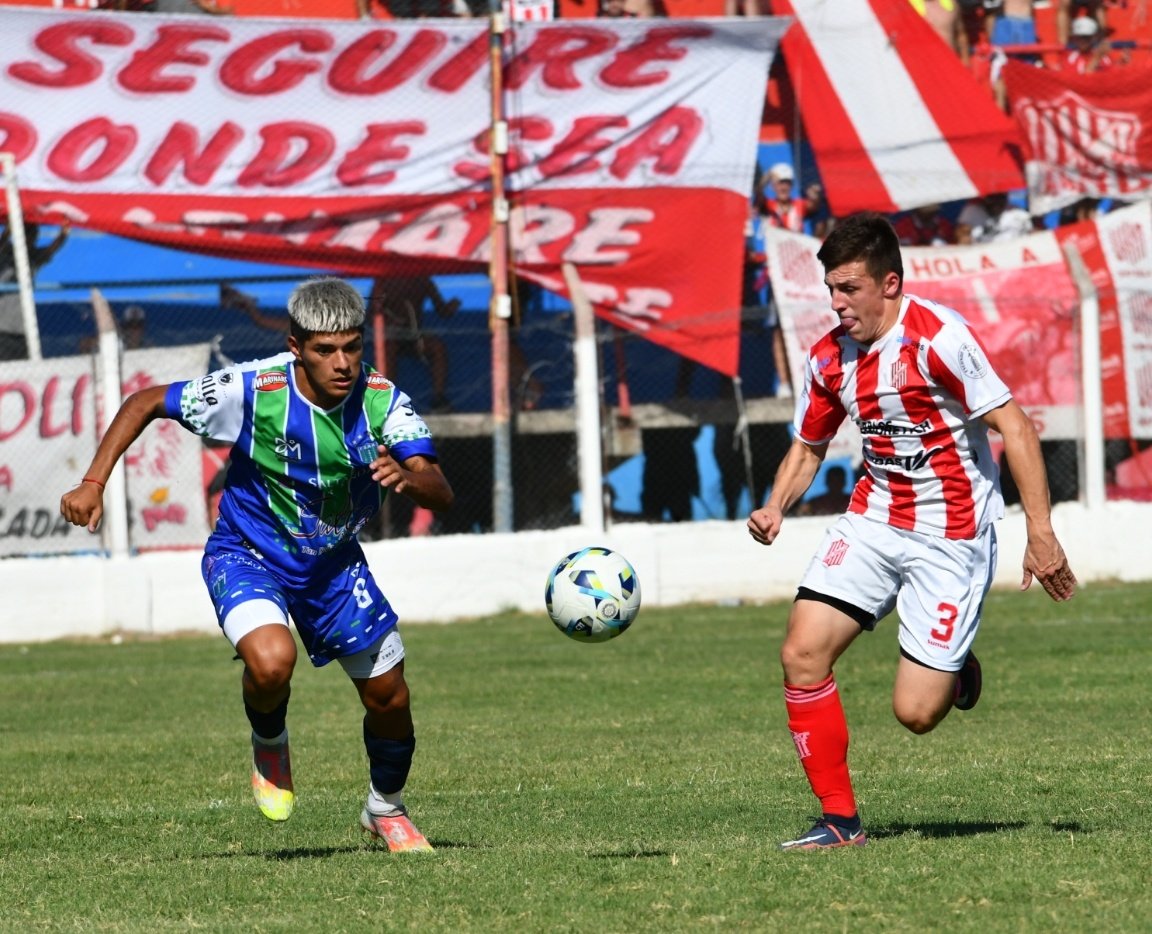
(116, 490)
(500, 308)
(20, 255)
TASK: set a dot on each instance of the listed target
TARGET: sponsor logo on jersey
(378, 382)
(880, 426)
(288, 449)
(270, 382)
(909, 463)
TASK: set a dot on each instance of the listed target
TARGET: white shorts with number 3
(936, 585)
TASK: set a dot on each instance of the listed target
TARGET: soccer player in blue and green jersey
(319, 439)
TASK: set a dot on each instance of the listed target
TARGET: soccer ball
(592, 594)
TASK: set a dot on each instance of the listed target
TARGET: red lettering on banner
(462, 67)
(28, 403)
(253, 68)
(92, 151)
(1027, 256)
(17, 136)
(943, 267)
(180, 147)
(60, 42)
(6, 477)
(379, 146)
(144, 74)
(350, 72)
(626, 69)
(519, 129)
(270, 166)
(664, 142)
(27, 399)
(575, 154)
(554, 53)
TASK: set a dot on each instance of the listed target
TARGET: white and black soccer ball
(592, 594)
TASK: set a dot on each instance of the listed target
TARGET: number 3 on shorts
(948, 614)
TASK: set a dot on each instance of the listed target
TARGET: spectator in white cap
(1088, 53)
(779, 207)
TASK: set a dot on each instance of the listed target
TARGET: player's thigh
(818, 633)
(942, 597)
(922, 696)
(251, 609)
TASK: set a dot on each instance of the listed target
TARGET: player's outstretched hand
(83, 506)
(1045, 560)
(387, 472)
(764, 524)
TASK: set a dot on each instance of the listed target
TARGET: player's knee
(801, 664)
(386, 699)
(919, 720)
(270, 671)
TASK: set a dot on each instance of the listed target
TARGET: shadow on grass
(630, 854)
(936, 829)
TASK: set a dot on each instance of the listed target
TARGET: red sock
(816, 719)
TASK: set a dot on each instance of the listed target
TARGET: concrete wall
(452, 577)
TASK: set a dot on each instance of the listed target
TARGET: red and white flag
(1087, 136)
(894, 119)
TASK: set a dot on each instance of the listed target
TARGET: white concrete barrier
(447, 578)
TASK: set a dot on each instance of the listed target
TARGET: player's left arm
(1044, 557)
(417, 477)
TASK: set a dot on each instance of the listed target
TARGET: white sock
(282, 738)
(389, 805)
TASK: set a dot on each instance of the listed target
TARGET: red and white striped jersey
(916, 395)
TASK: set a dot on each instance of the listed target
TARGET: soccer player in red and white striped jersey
(918, 535)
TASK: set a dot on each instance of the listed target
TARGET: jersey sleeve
(212, 405)
(960, 363)
(405, 433)
(819, 411)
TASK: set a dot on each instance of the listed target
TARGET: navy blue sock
(268, 725)
(851, 824)
(389, 761)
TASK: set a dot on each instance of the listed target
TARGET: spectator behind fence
(779, 205)
(834, 500)
(926, 225)
(1068, 11)
(945, 17)
(1089, 53)
(402, 301)
(13, 340)
(992, 219)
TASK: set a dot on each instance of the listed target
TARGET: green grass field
(638, 785)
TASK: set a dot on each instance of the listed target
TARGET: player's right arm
(84, 505)
(794, 476)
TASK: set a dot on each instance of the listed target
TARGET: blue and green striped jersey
(299, 487)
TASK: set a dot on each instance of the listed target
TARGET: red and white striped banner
(895, 120)
(363, 147)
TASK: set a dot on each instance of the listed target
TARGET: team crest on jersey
(270, 382)
(899, 374)
(836, 552)
(378, 382)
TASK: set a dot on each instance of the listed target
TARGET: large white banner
(366, 147)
